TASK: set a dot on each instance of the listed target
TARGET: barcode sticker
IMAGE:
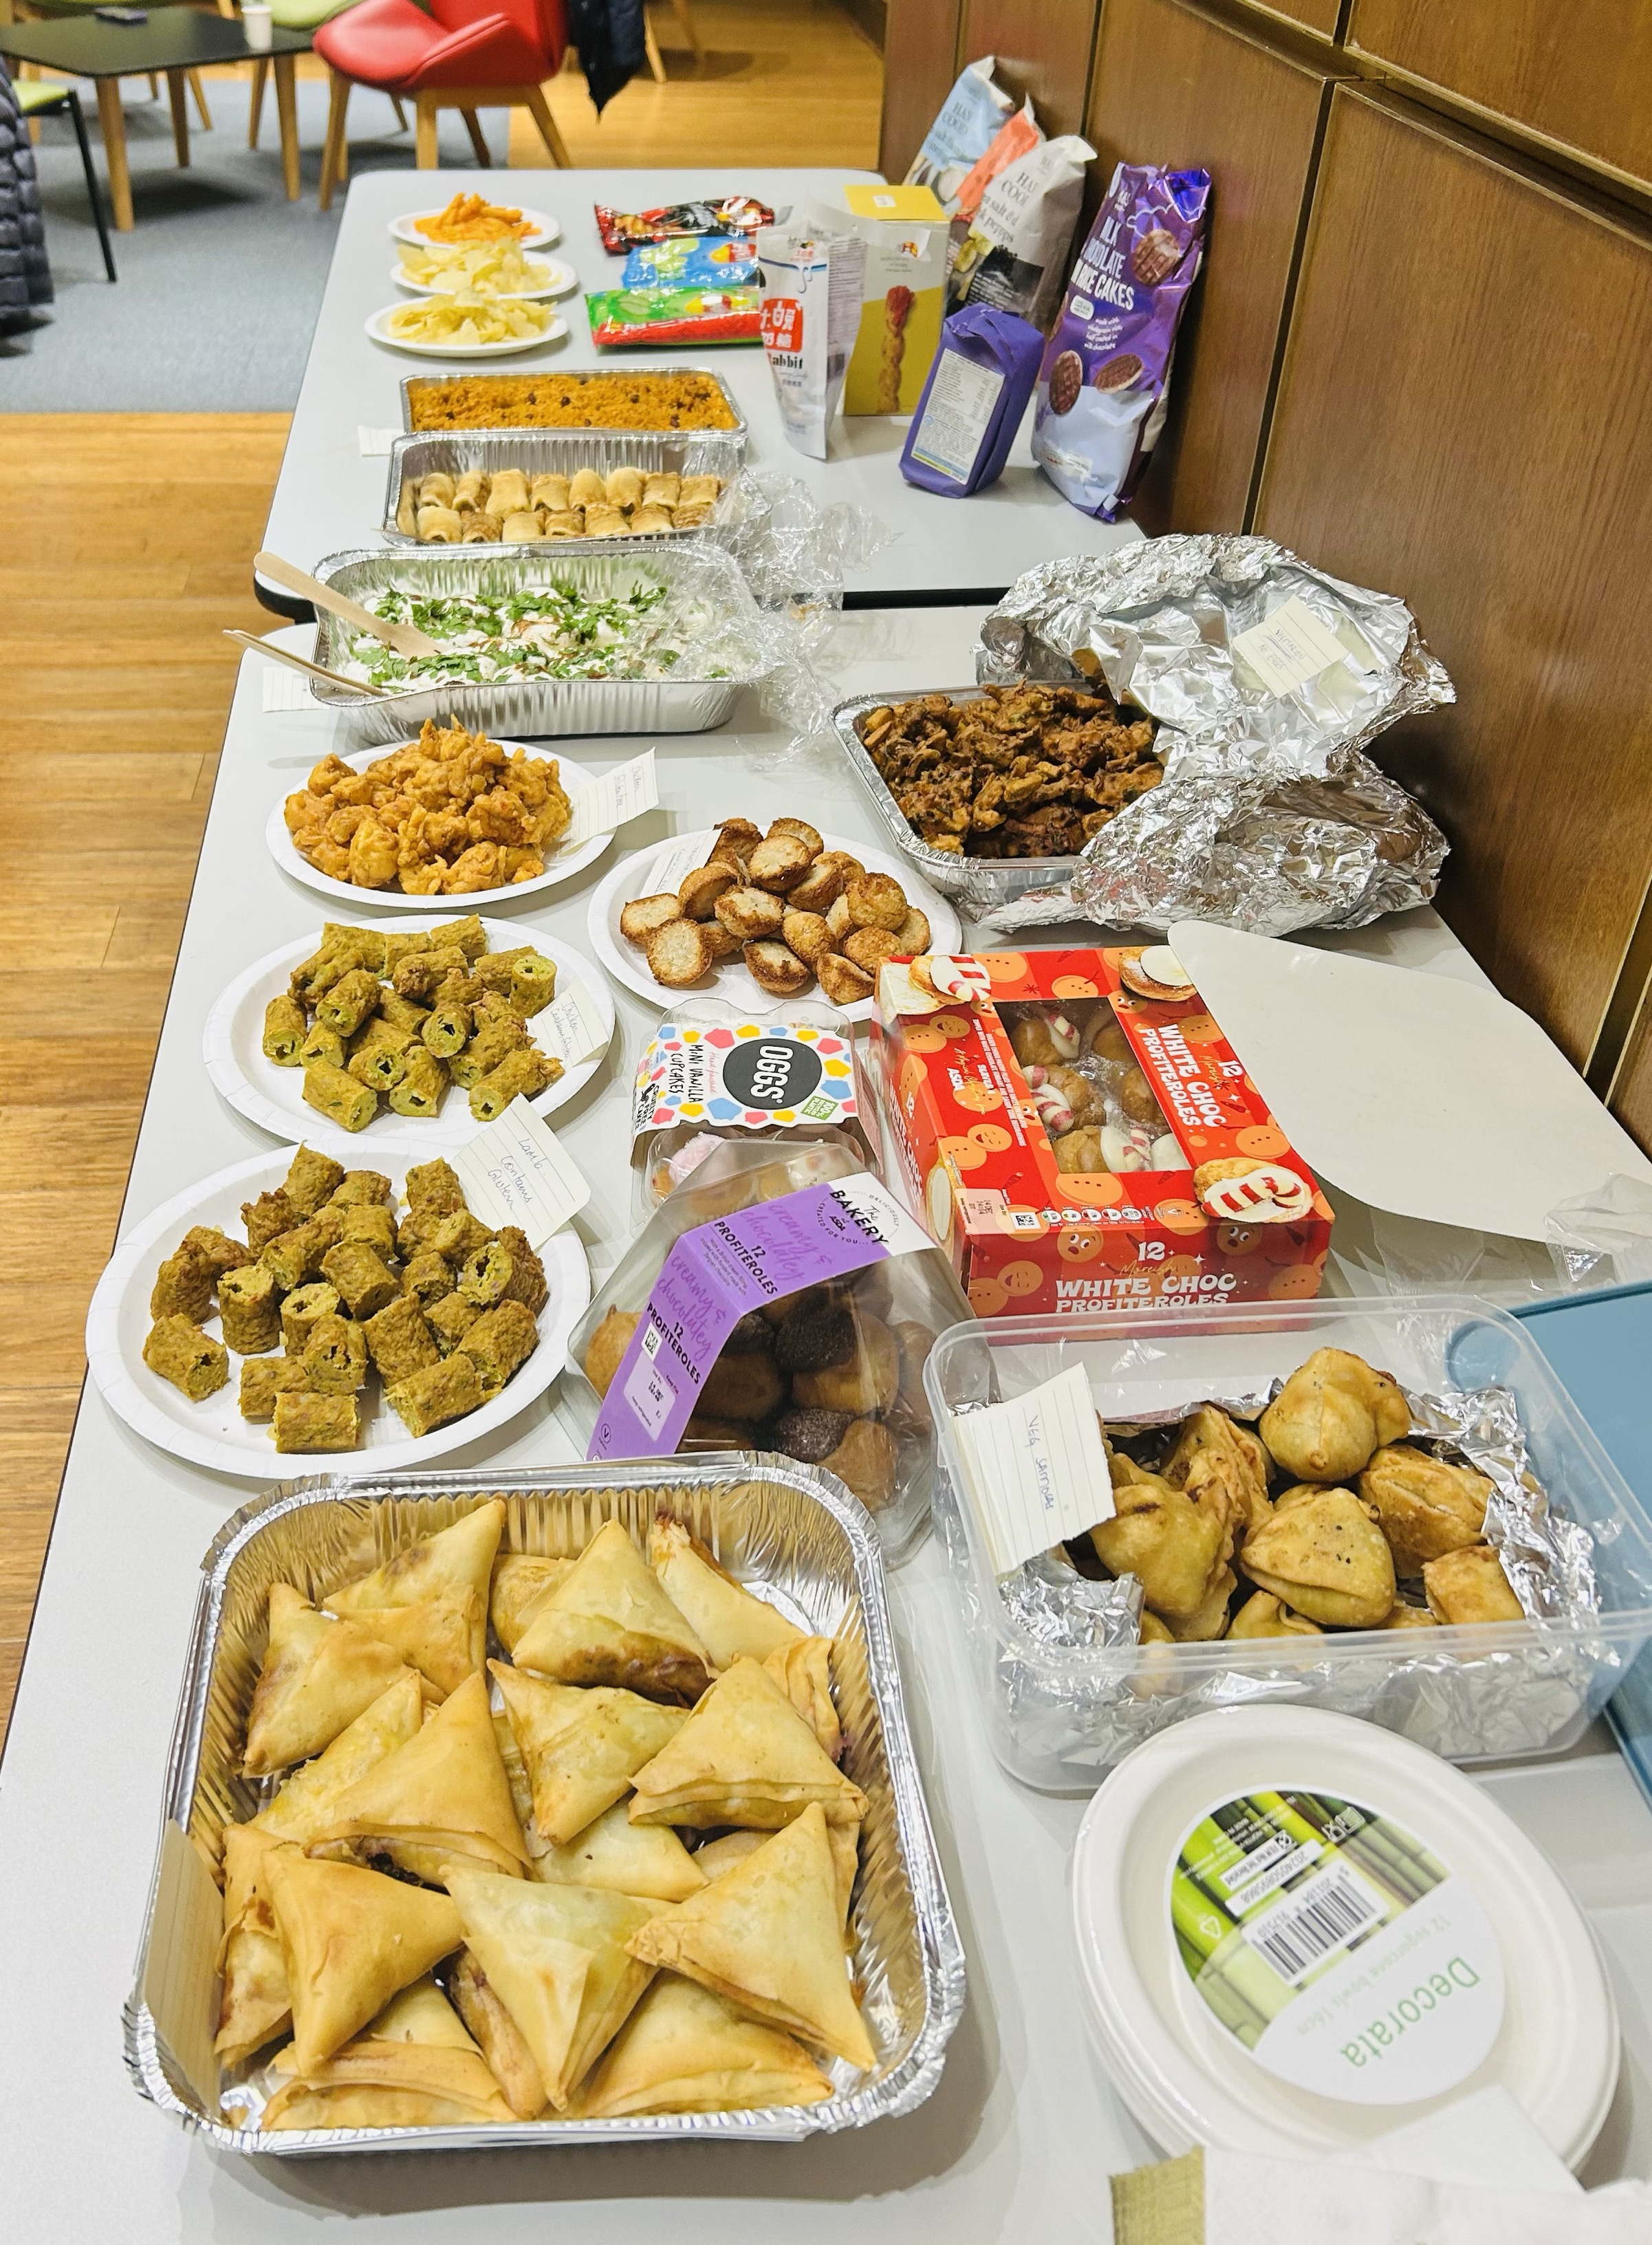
(1324, 1915)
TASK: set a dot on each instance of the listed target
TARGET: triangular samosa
(581, 1749)
(745, 1756)
(727, 1619)
(804, 1672)
(443, 1566)
(300, 1809)
(318, 1676)
(557, 1960)
(442, 1797)
(442, 1637)
(684, 2050)
(353, 1939)
(255, 2006)
(416, 2045)
(720, 1856)
(766, 1936)
(608, 1621)
(510, 2060)
(364, 2106)
(520, 1583)
(623, 1858)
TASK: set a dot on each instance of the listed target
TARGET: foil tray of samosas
(544, 1809)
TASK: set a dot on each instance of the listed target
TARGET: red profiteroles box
(1080, 1136)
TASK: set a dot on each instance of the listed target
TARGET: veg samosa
(686, 2050)
(609, 1622)
(582, 1748)
(745, 1756)
(318, 1676)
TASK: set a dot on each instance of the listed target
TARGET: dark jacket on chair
(25, 276)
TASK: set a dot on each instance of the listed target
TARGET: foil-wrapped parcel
(1269, 817)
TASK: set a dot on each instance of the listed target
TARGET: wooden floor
(134, 557)
(138, 531)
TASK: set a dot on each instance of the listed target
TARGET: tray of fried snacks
(1389, 1508)
(749, 916)
(289, 1306)
(423, 1015)
(624, 636)
(625, 400)
(401, 829)
(543, 1808)
(496, 488)
(993, 790)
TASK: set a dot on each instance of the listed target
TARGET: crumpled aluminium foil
(1269, 817)
(1500, 1702)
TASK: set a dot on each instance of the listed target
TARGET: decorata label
(1335, 1948)
(748, 1076)
(718, 1272)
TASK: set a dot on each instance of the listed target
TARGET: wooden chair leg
(180, 118)
(680, 9)
(401, 114)
(255, 106)
(338, 103)
(473, 127)
(656, 60)
(424, 131)
(200, 93)
(154, 87)
(539, 110)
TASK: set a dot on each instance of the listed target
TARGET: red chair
(466, 54)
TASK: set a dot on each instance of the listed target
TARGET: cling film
(1334, 1947)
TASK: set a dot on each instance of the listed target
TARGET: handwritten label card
(622, 794)
(570, 1028)
(674, 860)
(374, 444)
(516, 1172)
(1034, 1469)
(284, 689)
(1292, 646)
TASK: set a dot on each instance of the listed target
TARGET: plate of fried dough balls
(1326, 1514)
(753, 913)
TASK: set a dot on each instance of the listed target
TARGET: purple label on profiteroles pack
(712, 1276)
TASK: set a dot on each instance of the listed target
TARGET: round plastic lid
(1185, 2078)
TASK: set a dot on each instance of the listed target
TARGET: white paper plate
(554, 331)
(545, 229)
(232, 1046)
(213, 1433)
(1187, 2079)
(560, 867)
(562, 281)
(646, 870)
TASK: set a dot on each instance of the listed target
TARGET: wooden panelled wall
(1418, 356)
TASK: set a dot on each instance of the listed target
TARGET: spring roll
(651, 522)
(301, 1310)
(196, 1365)
(249, 1310)
(663, 489)
(284, 1030)
(429, 1398)
(471, 492)
(533, 985)
(435, 489)
(522, 528)
(423, 1087)
(550, 491)
(436, 526)
(306, 1421)
(481, 530)
(623, 486)
(521, 1074)
(339, 1096)
(323, 1048)
(312, 1180)
(334, 1357)
(604, 521)
(508, 493)
(264, 1377)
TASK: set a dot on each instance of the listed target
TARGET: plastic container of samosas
(842, 1387)
(1060, 1714)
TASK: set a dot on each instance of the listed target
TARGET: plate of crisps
(465, 327)
(488, 268)
(560, 863)
(158, 1347)
(257, 1039)
(472, 218)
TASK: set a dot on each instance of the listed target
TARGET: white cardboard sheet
(1417, 1093)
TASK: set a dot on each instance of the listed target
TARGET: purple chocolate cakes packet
(1104, 385)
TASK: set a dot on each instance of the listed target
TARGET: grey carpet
(222, 278)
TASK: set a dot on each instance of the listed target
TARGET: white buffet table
(330, 498)
(1017, 2142)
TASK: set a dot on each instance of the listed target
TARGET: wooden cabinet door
(1462, 419)
(920, 62)
(1313, 15)
(1043, 48)
(1579, 73)
(1172, 86)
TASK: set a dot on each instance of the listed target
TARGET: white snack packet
(961, 133)
(1013, 255)
(812, 305)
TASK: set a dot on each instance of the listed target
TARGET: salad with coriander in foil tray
(542, 631)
